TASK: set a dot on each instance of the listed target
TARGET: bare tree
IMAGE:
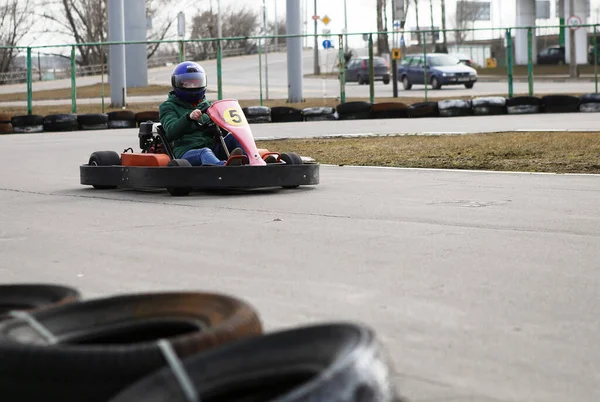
(417, 18)
(235, 23)
(382, 39)
(443, 5)
(16, 16)
(467, 12)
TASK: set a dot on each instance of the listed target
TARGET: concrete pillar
(580, 34)
(135, 30)
(116, 53)
(294, 51)
(525, 18)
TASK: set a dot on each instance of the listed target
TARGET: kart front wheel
(104, 158)
(291, 158)
(179, 191)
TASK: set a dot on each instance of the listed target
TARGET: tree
(417, 17)
(443, 5)
(16, 16)
(467, 12)
(241, 22)
(382, 39)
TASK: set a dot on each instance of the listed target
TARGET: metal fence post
(219, 70)
(181, 51)
(371, 71)
(530, 59)
(102, 61)
(342, 65)
(425, 63)
(29, 82)
(260, 71)
(73, 81)
(596, 56)
(509, 62)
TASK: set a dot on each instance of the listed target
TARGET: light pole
(219, 33)
(346, 25)
(316, 45)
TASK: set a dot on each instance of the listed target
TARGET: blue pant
(214, 156)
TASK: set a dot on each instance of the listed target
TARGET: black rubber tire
(423, 109)
(338, 362)
(454, 107)
(386, 81)
(488, 110)
(149, 115)
(104, 158)
(560, 103)
(322, 117)
(255, 111)
(435, 83)
(106, 344)
(291, 158)
(32, 297)
(406, 84)
(61, 122)
(121, 115)
(5, 118)
(389, 110)
(121, 124)
(523, 109)
(285, 114)
(590, 107)
(258, 119)
(355, 107)
(494, 101)
(92, 118)
(318, 111)
(6, 128)
(589, 98)
(179, 191)
(27, 120)
(524, 100)
(469, 85)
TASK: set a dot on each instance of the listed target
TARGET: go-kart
(156, 167)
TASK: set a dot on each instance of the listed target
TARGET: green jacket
(183, 132)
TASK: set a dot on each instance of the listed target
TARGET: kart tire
(93, 121)
(106, 344)
(61, 122)
(423, 109)
(34, 297)
(589, 98)
(330, 362)
(590, 107)
(285, 114)
(179, 191)
(560, 103)
(104, 158)
(150, 115)
(291, 158)
(389, 110)
(454, 107)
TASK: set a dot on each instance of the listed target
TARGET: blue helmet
(189, 81)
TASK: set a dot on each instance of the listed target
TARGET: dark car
(357, 70)
(552, 55)
(442, 69)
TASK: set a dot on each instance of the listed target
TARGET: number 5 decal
(233, 116)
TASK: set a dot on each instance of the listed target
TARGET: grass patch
(557, 152)
(88, 91)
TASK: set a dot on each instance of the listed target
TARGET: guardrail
(507, 36)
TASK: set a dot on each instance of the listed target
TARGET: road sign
(326, 44)
(574, 22)
(396, 54)
(326, 20)
(181, 24)
(396, 25)
(398, 10)
(365, 37)
(316, 17)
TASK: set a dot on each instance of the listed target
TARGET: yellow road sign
(396, 54)
(326, 20)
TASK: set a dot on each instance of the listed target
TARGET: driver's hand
(196, 114)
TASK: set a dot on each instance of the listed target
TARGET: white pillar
(580, 34)
(135, 30)
(525, 18)
(116, 53)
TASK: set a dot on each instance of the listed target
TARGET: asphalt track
(483, 286)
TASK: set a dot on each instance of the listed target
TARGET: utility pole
(317, 70)
(346, 26)
(276, 27)
(444, 24)
(433, 34)
(573, 73)
(266, 49)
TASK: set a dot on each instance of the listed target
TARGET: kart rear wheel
(104, 158)
(179, 191)
(291, 158)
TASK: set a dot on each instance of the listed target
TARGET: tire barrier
(29, 123)
(34, 297)
(560, 104)
(257, 114)
(286, 114)
(389, 110)
(5, 124)
(91, 350)
(320, 363)
(121, 119)
(589, 103)
(488, 106)
(356, 110)
(481, 106)
(93, 121)
(423, 109)
(321, 113)
(454, 107)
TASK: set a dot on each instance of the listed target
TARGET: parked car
(552, 55)
(442, 69)
(357, 70)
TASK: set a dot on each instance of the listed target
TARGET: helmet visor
(195, 80)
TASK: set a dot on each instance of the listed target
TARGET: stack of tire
(257, 114)
(177, 346)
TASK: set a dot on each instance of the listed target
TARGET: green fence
(501, 38)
